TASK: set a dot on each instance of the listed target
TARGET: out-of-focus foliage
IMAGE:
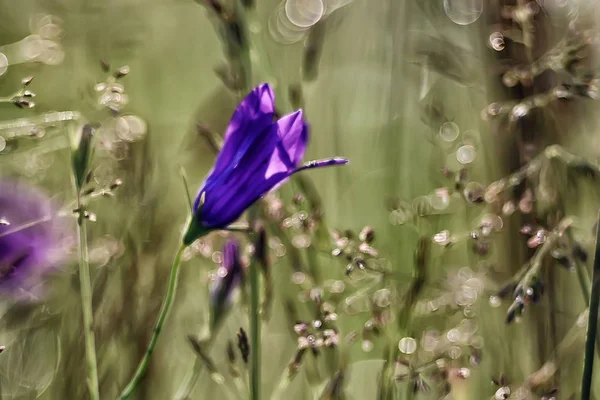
(412, 94)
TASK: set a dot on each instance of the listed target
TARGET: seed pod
(82, 154)
(243, 345)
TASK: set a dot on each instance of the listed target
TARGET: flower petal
(247, 195)
(32, 239)
(225, 194)
(293, 131)
(265, 165)
(252, 117)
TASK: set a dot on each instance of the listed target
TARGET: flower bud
(229, 277)
(82, 151)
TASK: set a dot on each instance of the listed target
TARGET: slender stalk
(193, 376)
(387, 389)
(22, 126)
(241, 385)
(584, 282)
(590, 343)
(86, 305)
(254, 331)
(215, 375)
(286, 378)
(561, 356)
(191, 380)
(537, 260)
(410, 392)
(162, 316)
(411, 297)
(244, 51)
(203, 359)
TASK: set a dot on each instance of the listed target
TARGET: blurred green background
(390, 73)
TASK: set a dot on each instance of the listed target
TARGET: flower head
(229, 277)
(258, 155)
(31, 239)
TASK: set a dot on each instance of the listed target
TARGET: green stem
(549, 244)
(86, 305)
(254, 331)
(590, 343)
(561, 356)
(284, 383)
(584, 280)
(421, 261)
(244, 55)
(409, 391)
(241, 385)
(584, 283)
(192, 379)
(217, 377)
(162, 316)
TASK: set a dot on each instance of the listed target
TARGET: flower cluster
(357, 250)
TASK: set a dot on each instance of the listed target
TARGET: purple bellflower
(32, 240)
(258, 155)
(229, 277)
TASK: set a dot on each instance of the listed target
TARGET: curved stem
(588, 366)
(421, 263)
(254, 331)
(286, 378)
(86, 305)
(192, 380)
(584, 282)
(193, 376)
(162, 316)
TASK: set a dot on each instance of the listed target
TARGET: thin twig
(531, 169)
(564, 350)
(86, 305)
(162, 316)
(255, 321)
(590, 343)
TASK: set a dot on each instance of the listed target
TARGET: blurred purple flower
(258, 155)
(229, 277)
(32, 241)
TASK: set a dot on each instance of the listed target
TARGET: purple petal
(32, 239)
(257, 157)
(226, 283)
(293, 131)
(252, 117)
(230, 255)
(271, 159)
(250, 193)
(225, 198)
